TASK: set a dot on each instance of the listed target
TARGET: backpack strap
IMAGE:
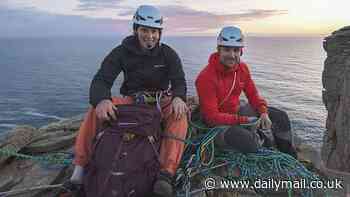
(116, 156)
(151, 140)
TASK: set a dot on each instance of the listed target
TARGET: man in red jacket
(219, 86)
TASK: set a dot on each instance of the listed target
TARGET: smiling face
(148, 37)
(229, 56)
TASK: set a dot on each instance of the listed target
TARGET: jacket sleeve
(250, 90)
(176, 75)
(103, 80)
(208, 101)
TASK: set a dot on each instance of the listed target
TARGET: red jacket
(213, 85)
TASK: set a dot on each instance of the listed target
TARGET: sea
(44, 80)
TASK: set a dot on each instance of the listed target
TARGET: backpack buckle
(128, 136)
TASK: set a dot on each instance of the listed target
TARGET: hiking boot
(72, 190)
(163, 186)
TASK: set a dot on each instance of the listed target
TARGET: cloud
(31, 22)
(179, 18)
(94, 5)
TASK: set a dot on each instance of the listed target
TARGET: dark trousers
(247, 141)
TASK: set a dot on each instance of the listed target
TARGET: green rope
(265, 164)
(53, 158)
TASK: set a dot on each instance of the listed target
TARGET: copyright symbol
(209, 183)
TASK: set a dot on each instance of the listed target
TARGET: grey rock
(71, 124)
(335, 151)
(31, 174)
(8, 183)
(336, 97)
(18, 138)
(51, 143)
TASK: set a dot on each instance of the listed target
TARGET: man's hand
(179, 107)
(105, 110)
(265, 121)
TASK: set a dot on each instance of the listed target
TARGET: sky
(35, 18)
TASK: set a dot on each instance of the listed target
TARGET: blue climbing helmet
(148, 16)
(231, 36)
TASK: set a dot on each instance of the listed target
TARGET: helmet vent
(160, 21)
(138, 17)
(224, 39)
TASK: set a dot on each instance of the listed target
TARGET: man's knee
(280, 119)
(176, 125)
(282, 131)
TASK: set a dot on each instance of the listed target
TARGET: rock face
(336, 97)
(17, 174)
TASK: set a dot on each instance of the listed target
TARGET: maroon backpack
(125, 158)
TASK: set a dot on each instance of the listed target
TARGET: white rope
(231, 90)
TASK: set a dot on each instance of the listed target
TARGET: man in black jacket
(151, 67)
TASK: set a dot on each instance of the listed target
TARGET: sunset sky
(182, 17)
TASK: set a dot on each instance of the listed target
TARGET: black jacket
(144, 70)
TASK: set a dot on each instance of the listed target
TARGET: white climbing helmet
(230, 36)
(148, 16)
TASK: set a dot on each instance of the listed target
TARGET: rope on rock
(64, 159)
(201, 158)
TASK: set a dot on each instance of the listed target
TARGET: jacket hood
(214, 61)
(132, 44)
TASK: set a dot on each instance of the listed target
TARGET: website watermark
(272, 184)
